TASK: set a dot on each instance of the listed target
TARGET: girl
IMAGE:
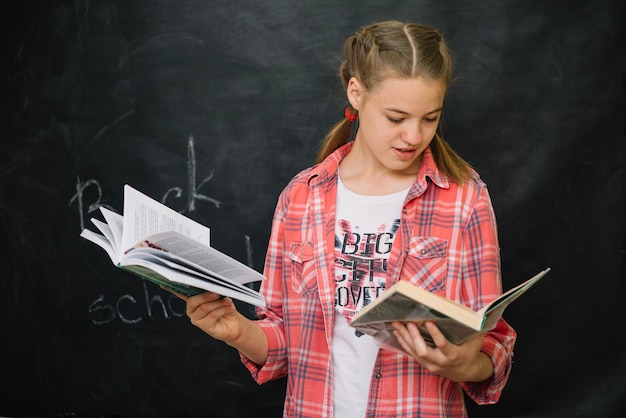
(396, 203)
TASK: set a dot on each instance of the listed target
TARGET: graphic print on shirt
(361, 264)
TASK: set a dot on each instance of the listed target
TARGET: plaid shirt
(447, 243)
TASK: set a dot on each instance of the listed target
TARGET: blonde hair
(397, 49)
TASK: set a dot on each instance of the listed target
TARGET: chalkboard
(212, 107)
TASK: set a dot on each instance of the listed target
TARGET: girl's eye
(434, 119)
(393, 120)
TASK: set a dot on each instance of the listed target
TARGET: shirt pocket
(303, 278)
(427, 262)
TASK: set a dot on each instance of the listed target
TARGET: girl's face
(397, 121)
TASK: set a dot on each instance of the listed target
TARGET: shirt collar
(428, 168)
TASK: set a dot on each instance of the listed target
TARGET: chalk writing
(78, 197)
(176, 192)
(193, 194)
(129, 310)
(248, 251)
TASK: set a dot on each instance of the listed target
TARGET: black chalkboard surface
(211, 107)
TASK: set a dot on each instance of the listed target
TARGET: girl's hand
(460, 363)
(213, 314)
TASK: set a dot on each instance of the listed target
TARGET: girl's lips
(404, 153)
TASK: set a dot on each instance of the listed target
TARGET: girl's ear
(354, 92)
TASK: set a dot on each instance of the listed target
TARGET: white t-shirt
(364, 232)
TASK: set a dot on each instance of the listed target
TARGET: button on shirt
(447, 243)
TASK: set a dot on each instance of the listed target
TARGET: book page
(191, 254)
(383, 335)
(404, 301)
(494, 310)
(509, 296)
(151, 257)
(144, 216)
(101, 241)
(157, 273)
(378, 322)
(115, 221)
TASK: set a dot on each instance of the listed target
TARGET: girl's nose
(412, 135)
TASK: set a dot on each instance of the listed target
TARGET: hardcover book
(405, 302)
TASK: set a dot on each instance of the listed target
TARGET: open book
(167, 248)
(405, 302)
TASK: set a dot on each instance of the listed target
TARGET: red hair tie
(351, 116)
